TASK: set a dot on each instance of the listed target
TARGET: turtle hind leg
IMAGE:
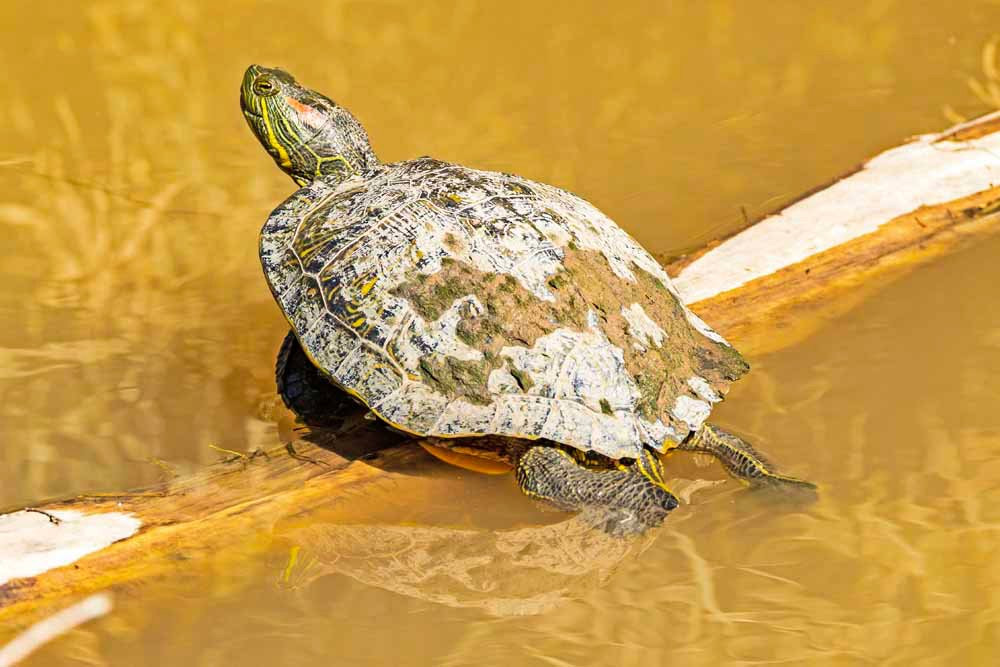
(633, 497)
(740, 458)
(306, 392)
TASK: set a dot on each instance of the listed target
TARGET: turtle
(484, 313)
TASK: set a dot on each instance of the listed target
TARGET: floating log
(764, 287)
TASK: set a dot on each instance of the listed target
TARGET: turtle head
(306, 133)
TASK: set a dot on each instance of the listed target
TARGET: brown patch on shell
(501, 295)
(515, 317)
(661, 373)
(488, 332)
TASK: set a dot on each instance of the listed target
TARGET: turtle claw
(290, 448)
(244, 457)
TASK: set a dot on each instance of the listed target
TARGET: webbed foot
(633, 496)
(740, 458)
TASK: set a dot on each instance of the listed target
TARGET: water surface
(138, 326)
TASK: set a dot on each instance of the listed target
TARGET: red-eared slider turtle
(459, 304)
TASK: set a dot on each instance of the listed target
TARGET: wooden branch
(781, 278)
(764, 287)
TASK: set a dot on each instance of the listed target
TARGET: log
(764, 287)
(778, 280)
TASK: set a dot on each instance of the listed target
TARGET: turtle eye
(264, 86)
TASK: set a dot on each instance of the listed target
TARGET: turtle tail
(740, 458)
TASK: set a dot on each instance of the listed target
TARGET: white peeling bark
(31, 543)
(60, 623)
(926, 171)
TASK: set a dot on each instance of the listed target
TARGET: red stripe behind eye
(298, 106)
(310, 116)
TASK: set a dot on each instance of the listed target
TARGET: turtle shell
(456, 302)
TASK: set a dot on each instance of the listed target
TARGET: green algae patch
(523, 378)
(456, 378)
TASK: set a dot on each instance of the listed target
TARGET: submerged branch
(60, 623)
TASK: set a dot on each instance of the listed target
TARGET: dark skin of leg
(741, 459)
(629, 499)
(305, 391)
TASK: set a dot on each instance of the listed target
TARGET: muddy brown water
(137, 326)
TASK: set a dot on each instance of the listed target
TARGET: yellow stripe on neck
(272, 138)
(651, 469)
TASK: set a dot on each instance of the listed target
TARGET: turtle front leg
(634, 496)
(315, 400)
(740, 459)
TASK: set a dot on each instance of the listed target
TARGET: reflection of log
(763, 287)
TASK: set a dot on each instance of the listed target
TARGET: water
(138, 327)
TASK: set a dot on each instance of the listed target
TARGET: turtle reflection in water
(484, 312)
(528, 570)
